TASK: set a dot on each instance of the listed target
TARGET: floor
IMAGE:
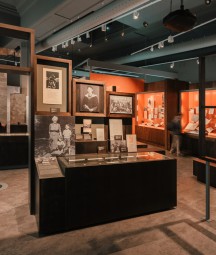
(177, 231)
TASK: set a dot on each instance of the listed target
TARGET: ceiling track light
(172, 65)
(79, 39)
(136, 15)
(160, 45)
(63, 45)
(72, 42)
(208, 2)
(103, 28)
(54, 48)
(145, 24)
(197, 61)
(170, 39)
(87, 35)
(66, 44)
(152, 48)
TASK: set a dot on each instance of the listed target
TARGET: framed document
(131, 143)
(120, 104)
(115, 128)
(100, 134)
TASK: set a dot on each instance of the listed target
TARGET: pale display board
(131, 143)
(115, 128)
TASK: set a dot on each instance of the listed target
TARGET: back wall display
(54, 136)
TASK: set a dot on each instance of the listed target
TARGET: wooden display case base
(153, 136)
(199, 171)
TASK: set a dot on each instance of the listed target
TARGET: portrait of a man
(89, 98)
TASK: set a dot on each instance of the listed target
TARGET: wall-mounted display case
(150, 110)
(155, 108)
(190, 112)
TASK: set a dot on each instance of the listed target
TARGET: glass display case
(111, 158)
(150, 110)
(190, 112)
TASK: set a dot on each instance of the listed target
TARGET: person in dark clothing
(175, 128)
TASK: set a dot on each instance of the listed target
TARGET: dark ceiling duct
(180, 20)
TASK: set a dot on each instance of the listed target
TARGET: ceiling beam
(106, 14)
(94, 64)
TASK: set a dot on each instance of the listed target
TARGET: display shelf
(14, 134)
(143, 125)
(15, 69)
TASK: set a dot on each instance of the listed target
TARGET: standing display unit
(73, 191)
(19, 145)
(155, 108)
(52, 121)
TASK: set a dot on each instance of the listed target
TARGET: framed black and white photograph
(88, 98)
(117, 146)
(52, 86)
(52, 82)
(120, 104)
(54, 136)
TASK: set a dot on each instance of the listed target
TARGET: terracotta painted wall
(123, 84)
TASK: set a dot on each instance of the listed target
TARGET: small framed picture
(89, 98)
(120, 105)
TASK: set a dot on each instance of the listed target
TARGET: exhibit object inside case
(190, 112)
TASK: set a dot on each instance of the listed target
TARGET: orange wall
(123, 84)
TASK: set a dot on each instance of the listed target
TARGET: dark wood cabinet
(95, 191)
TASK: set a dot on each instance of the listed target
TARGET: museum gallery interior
(108, 127)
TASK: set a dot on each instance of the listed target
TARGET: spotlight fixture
(79, 39)
(103, 28)
(90, 45)
(87, 35)
(152, 49)
(63, 45)
(145, 24)
(197, 61)
(54, 48)
(123, 34)
(136, 15)
(208, 2)
(160, 45)
(170, 39)
(66, 44)
(72, 42)
(172, 65)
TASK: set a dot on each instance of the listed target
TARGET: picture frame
(89, 98)
(120, 105)
(52, 81)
